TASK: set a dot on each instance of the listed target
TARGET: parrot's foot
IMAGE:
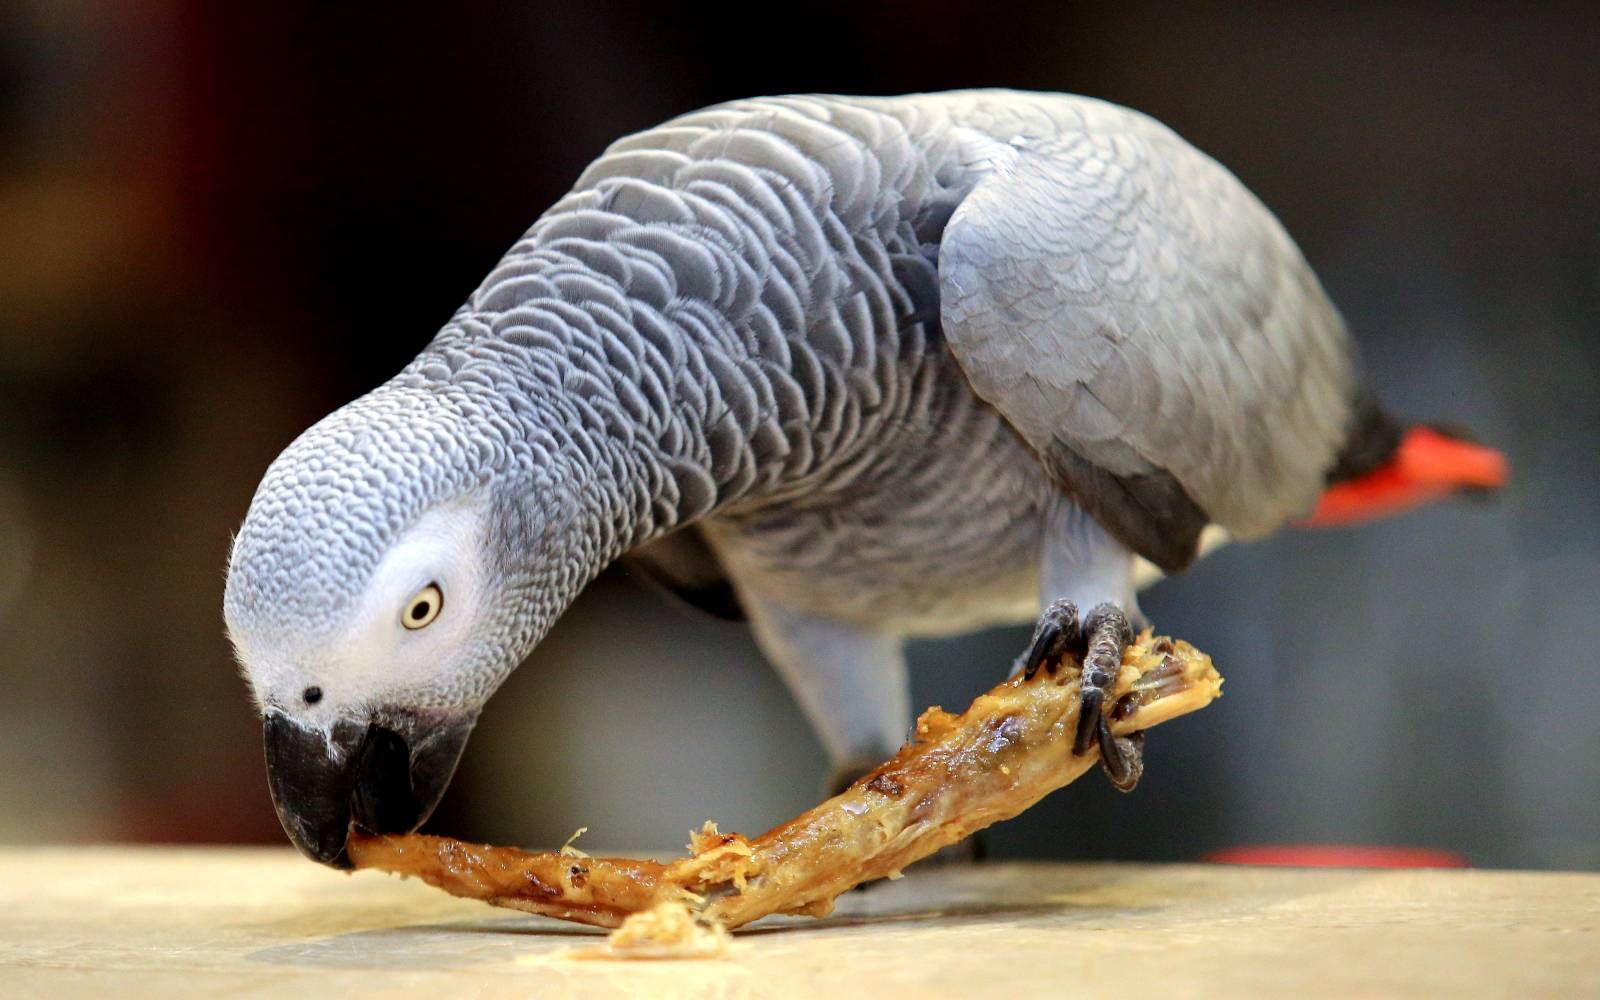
(1099, 640)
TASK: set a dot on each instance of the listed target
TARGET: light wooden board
(247, 922)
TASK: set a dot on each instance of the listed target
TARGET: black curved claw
(1121, 759)
(1089, 716)
(1100, 640)
(1057, 632)
(1108, 633)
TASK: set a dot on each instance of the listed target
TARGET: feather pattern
(737, 313)
(1127, 304)
(738, 320)
(746, 310)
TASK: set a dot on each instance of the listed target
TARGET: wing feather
(1140, 317)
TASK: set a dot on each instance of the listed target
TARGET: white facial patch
(379, 652)
(373, 652)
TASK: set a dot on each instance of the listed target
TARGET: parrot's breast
(940, 533)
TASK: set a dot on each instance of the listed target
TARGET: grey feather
(1135, 313)
(738, 321)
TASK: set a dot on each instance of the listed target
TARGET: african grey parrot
(857, 368)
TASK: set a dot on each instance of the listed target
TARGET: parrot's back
(847, 428)
(898, 496)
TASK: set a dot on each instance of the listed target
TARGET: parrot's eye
(423, 608)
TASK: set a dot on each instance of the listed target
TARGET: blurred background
(218, 222)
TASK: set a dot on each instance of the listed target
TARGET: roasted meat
(958, 774)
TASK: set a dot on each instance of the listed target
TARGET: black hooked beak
(384, 777)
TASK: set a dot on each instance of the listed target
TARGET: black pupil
(419, 611)
(312, 695)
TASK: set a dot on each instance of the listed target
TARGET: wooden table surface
(116, 921)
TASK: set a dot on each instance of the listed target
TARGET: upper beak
(384, 777)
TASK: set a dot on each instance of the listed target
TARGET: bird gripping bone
(958, 774)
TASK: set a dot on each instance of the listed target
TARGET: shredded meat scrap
(959, 774)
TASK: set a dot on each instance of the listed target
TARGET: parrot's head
(396, 563)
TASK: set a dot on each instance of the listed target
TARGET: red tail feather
(1427, 466)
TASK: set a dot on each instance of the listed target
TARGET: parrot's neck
(652, 417)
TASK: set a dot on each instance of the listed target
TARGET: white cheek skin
(381, 653)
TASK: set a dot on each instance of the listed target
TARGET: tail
(1407, 469)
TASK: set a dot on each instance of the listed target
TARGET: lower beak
(384, 777)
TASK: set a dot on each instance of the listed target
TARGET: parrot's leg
(1108, 634)
(1084, 566)
(850, 680)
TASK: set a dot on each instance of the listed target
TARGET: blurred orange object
(1337, 856)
